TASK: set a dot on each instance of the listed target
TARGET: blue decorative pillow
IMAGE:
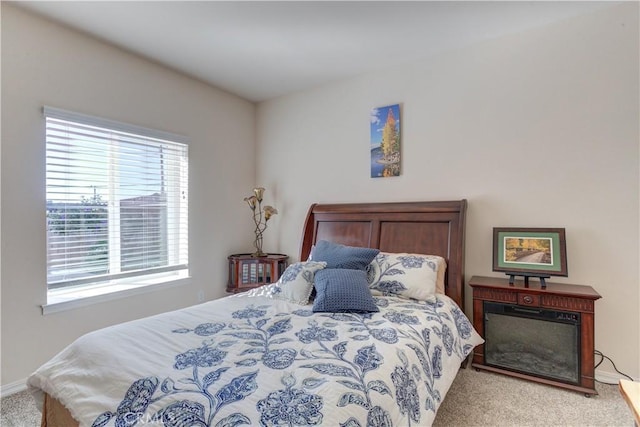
(341, 256)
(343, 290)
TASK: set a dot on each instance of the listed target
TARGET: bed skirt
(55, 414)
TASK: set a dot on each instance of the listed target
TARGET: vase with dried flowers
(260, 218)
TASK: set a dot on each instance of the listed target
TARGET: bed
(278, 355)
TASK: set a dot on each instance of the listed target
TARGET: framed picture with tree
(385, 141)
(530, 252)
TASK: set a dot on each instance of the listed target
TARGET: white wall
(538, 129)
(46, 64)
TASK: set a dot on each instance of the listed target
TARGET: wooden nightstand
(540, 334)
(248, 272)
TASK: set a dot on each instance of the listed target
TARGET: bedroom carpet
(475, 399)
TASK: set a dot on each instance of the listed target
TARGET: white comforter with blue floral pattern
(247, 360)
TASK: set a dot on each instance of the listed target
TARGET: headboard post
(309, 226)
(432, 228)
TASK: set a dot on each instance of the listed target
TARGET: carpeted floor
(475, 399)
(19, 410)
(480, 398)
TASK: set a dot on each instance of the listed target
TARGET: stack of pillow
(342, 285)
(346, 278)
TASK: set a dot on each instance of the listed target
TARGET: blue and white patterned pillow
(408, 275)
(296, 283)
(343, 290)
(341, 256)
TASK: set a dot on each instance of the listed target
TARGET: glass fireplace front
(544, 343)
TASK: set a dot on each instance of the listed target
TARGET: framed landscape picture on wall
(385, 141)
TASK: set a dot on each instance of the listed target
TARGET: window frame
(177, 244)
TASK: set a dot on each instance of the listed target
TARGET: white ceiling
(264, 49)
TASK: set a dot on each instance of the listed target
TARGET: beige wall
(46, 64)
(538, 129)
(556, 107)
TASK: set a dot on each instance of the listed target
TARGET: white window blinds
(117, 200)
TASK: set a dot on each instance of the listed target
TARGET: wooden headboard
(432, 228)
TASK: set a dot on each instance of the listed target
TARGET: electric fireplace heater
(539, 342)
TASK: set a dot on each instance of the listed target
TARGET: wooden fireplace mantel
(555, 296)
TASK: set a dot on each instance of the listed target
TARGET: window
(117, 199)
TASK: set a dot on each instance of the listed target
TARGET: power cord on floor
(602, 357)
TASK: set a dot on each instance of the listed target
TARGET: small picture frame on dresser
(540, 252)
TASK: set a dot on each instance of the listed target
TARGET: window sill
(68, 299)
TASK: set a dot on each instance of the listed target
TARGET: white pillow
(296, 283)
(442, 270)
(408, 275)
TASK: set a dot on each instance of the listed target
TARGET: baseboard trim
(14, 387)
(609, 377)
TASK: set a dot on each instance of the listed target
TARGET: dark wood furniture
(432, 228)
(248, 272)
(556, 296)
